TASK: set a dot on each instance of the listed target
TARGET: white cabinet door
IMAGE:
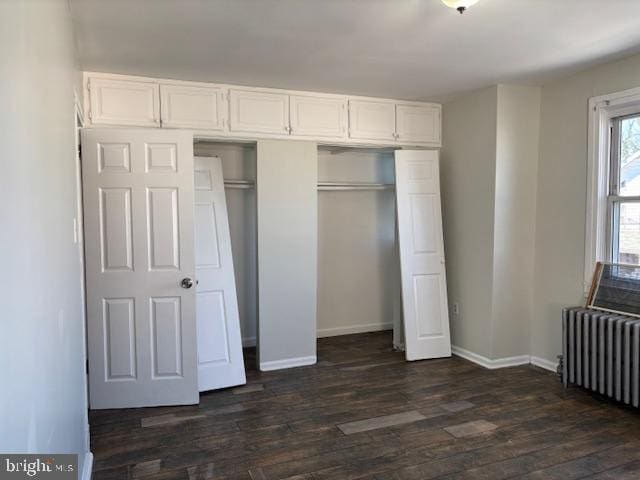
(220, 362)
(124, 102)
(422, 269)
(371, 120)
(141, 322)
(254, 111)
(199, 108)
(418, 123)
(316, 116)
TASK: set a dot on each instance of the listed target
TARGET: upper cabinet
(198, 108)
(418, 123)
(256, 111)
(372, 120)
(124, 102)
(231, 112)
(318, 116)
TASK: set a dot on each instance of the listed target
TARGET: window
(623, 199)
(612, 227)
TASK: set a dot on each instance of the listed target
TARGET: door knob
(186, 283)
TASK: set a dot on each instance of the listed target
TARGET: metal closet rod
(247, 184)
(355, 186)
(243, 184)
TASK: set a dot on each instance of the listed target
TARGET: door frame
(79, 240)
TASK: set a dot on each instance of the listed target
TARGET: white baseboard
(337, 331)
(87, 466)
(544, 363)
(287, 363)
(503, 362)
(489, 363)
(248, 342)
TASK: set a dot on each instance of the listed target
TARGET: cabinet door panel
(259, 112)
(199, 108)
(318, 116)
(418, 123)
(370, 120)
(123, 102)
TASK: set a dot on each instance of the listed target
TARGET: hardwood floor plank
(470, 428)
(380, 422)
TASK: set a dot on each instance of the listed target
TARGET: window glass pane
(629, 233)
(630, 156)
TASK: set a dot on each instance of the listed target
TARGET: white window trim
(601, 110)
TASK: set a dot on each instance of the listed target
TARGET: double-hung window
(623, 199)
(613, 181)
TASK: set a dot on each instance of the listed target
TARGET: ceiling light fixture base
(460, 5)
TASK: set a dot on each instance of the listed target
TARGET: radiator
(601, 352)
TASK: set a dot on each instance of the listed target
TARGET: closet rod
(354, 186)
(239, 184)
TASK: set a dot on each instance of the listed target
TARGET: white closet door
(370, 120)
(255, 111)
(424, 286)
(418, 123)
(124, 102)
(138, 201)
(220, 362)
(200, 108)
(318, 116)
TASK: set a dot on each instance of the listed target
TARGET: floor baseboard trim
(287, 363)
(489, 363)
(87, 466)
(544, 363)
(351, 329)
(503, 362)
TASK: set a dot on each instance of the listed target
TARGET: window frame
(599, 239)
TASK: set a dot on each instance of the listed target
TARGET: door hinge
(86, 366)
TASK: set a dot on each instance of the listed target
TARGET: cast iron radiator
(601, 352)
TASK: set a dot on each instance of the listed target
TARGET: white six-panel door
(424, 286)
(138, 201)
(220, 362)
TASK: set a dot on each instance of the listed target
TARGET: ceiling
(406, 49)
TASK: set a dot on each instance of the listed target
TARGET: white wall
(287, 199)
(43, 400)
(561, 199)
(357, 256)
(489, 165)
(514, 229)
(239, 163)
(468, 162)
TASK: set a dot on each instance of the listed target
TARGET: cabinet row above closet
(227, 111)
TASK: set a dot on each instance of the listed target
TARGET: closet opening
(358, 262)
(239, 173)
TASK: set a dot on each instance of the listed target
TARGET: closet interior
(358, 265)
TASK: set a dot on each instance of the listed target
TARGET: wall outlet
(456, 308)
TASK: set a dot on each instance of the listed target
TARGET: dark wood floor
(364, 413)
